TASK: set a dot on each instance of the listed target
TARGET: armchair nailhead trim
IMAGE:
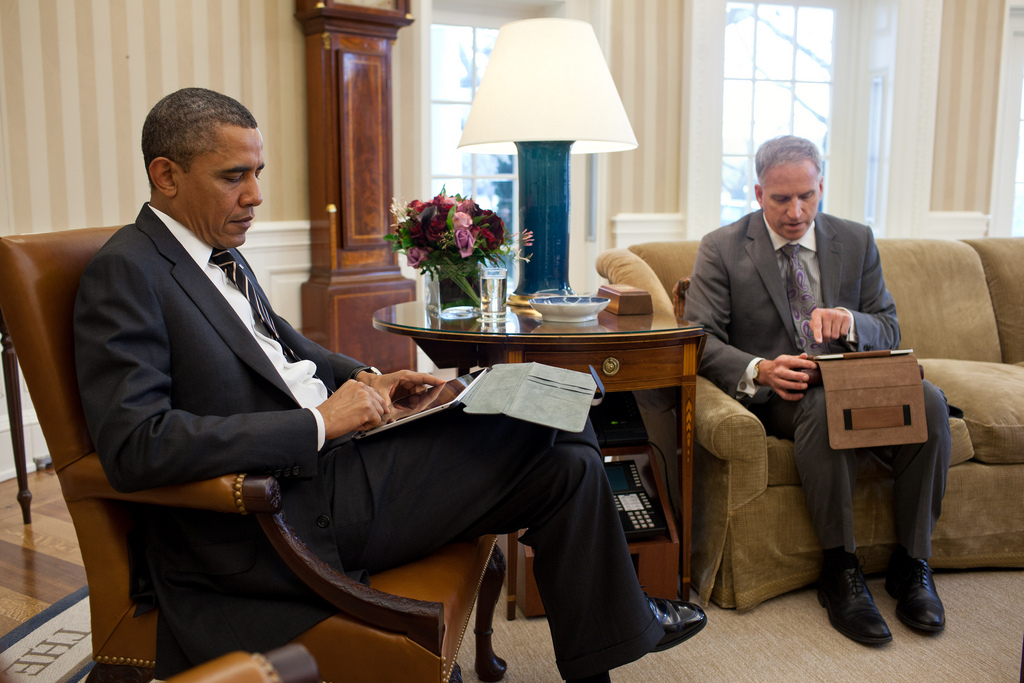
(125, 661)
(267, 667)
(239, 503)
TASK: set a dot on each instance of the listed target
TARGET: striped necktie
(235, 271)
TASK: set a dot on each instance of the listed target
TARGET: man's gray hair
(184, 125)
(785, 149)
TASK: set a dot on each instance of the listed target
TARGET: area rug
(54, 646)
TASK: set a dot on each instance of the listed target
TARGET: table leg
(512, 574)
(13, 389)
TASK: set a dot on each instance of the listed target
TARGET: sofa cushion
(1001, 259)
(942, 299)
(992, 398)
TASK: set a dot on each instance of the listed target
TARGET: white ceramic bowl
(569, 309)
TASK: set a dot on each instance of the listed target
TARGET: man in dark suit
(186, 373)
(787, 282)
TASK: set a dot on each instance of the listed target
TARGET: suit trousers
(401, 494)
(828, 476)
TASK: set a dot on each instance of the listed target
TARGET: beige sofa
(961, 308)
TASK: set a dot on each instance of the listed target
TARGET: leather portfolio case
(873, 398)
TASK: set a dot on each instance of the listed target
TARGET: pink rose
(462, 220)
(464, 241)
(416, 255)
(466, 206)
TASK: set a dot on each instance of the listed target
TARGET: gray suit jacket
(737, 294)
(176, 389)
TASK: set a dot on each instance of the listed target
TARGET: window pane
(739, 40)
(775, 41)
(446, 122)
(772, 102)
(736, 113)
(485, 38)
(814, 44)
(811, 112)
(736, 188)
(494, 164)
(496, 195)
(451, 63)
(1017, 229)
(452, 186)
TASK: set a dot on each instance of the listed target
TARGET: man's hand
(401, 383)
(788, 376)
(354, 406)
(828, 324)
(365, 402)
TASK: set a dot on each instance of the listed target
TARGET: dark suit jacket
(737, 293)
(176, 389)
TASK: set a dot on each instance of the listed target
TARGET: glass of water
(493, 292)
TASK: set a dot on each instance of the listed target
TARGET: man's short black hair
(184, 125)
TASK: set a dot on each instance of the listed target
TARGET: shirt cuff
(747, 385)
(321, 430)
(851, 336)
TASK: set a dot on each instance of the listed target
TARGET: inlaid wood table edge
(629, 352)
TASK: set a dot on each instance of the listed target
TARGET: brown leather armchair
(288, 664)
(407, 625)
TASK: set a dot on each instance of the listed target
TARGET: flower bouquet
(448, 238)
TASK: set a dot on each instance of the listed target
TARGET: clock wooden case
(348, 97)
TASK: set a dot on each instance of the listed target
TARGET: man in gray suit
(787, 282)
(187, 373)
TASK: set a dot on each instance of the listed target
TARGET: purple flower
(416, 255)
(464, 241)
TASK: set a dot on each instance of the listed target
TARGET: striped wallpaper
(79, 77)
(645, 59)
(965, 122)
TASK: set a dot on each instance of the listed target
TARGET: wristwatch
(365, 368)
(757, 370)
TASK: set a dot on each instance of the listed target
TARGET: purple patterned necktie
(801, 300)
(225, 260)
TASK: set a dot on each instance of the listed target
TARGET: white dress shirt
(308, 391)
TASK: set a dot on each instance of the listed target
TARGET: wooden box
(626, 300)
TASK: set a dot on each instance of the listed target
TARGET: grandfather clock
(348, 96)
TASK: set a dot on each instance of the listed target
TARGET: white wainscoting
(636, 228)
(279, 254)
(957, 225)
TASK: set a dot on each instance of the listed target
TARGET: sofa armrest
(623, 267)
(732, 434)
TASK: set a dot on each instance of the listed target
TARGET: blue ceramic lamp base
(544, 211)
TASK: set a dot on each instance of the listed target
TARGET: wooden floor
(40, 562)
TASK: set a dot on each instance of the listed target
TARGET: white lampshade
(547, 80)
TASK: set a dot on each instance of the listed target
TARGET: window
(458, 60)
(778, 80)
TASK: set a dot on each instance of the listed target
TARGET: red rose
(492, 228)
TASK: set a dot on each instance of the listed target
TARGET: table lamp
(546, 92)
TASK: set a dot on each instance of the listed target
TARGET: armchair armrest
(261, 495)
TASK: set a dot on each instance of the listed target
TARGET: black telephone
(641, 517)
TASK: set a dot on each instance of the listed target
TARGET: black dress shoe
(917, 604)
(681, 620)
(851, 609)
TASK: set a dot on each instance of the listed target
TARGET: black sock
(596, 678)
(837, 559)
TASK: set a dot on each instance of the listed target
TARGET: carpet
(54, 646)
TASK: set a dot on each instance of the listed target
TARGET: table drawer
(620, 368)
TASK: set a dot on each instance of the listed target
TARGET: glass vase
(449, 300)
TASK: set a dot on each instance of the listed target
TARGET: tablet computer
(414, 406)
